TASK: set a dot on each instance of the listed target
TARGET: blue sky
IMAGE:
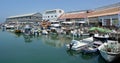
(17, 7)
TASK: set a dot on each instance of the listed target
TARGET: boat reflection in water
(55, 40)
(72, 52)
(51, 40)
(86, 58)
(20, 48)
(27, 38)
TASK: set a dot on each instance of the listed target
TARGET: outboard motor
(91, 34)
(71, 44)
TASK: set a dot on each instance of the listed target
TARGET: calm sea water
(18, 48)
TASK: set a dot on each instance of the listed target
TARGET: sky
(18, 7)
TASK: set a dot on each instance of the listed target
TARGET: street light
(87, 20)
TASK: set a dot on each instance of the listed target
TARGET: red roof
(109, 11)
(96, 13)
(73, 15)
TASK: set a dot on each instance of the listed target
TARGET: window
(51, 16)
(48, 16)
(50, 12)
(115, 21)
(55, 15)
(60, 11)
(81, 19)
(100, 20)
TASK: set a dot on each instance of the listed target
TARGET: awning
(81, 22)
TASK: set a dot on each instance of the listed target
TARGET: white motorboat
(89, 39)
(27, 30)
(76, 45)
(110, 50)
(102, 38)
(44, 32)
(85, 34)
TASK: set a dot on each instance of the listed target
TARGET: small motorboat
(18, 31)
(92, 48)
(44, 32)
(102, 38)
(76, 45)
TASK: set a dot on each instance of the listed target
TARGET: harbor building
(106, 16)
(52, 15)
(77, 17)
(25, 18)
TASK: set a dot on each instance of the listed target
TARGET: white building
(52, 15)
(25, 18)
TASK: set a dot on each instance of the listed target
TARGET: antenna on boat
(73, 28)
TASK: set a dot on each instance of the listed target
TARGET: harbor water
(19, 48)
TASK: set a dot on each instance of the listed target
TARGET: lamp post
(87, 17)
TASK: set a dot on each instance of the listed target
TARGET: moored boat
(76, 45)
(44, 32)
(110, 50)
(92, 48)
(18, 31)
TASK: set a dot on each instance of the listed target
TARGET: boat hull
(76, 45)
(108, 56)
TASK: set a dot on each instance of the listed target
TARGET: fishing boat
(110, 50)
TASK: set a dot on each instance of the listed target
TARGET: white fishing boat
(110, 50)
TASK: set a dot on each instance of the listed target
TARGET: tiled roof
(109, 11)
(95, 13)
(72, 15)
